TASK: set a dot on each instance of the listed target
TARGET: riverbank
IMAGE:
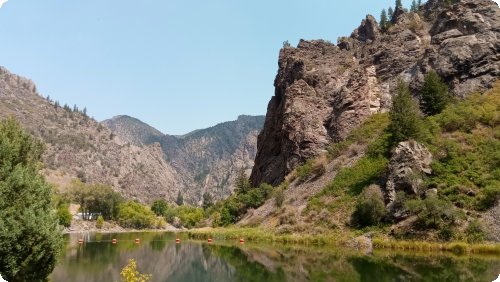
(84, 226)
(367, 241)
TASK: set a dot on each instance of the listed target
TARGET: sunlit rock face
(323, 91)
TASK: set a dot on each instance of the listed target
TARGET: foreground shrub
(130, 273)
(370, 209)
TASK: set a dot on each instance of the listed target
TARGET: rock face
(206, 160)
(323, 91)
(409, 162)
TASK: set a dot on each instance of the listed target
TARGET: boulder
(409, 162)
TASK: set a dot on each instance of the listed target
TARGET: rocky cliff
(323, 91)
(206, 160)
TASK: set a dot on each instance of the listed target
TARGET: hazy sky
(178, 65)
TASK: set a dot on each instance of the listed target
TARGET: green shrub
(488, 197)
(135, 215)
(304, 171)
(160, 207)
(99, 222)
(433, 213)
(474, 232)
(370, 209)
(190, 216)
(279, 197)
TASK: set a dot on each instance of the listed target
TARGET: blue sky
(177, 65)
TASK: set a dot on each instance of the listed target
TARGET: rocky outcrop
(409, 162)
(323, 91)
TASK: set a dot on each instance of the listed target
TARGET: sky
(178, 65)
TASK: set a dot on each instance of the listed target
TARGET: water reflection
(158, 254)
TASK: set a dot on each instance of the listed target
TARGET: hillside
(330, 144)
(79, 147)
(206, 160)
(133, 130)
(457, 198)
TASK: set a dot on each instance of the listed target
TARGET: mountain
(133, 130)
(323, 90)
(79, 147)
(206, 160)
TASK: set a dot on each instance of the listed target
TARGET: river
(98, 260)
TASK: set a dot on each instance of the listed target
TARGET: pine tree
(399, 4)
(414, 7)
(390, 13)
(383, 21)
(30, 239)
(208, 200)
(434, 93)
(242, 183)
(180, 199)
(405, 122)
(419, 3)
(84, 112)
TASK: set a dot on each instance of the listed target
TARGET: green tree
(414, 7)
(383, 21)
(99, 222)
(242, 183)
(30, 239)
(399, 4)
(64, 215)
(180, 199)
(419, 3)
(404, 116)
(208, 200)
(435, 95)
(160, 207)
(390, 13)
(96, 199)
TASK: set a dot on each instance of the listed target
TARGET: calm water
(159, 255)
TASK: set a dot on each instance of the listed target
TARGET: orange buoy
(80, 241)
(209, 240)
(113, 241)
(137, 241)
(242, 240)
(177, 240)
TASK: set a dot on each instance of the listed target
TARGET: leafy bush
(304, 171)
(189, 216)
(370, 209)
(160, 207)
(96, 198)
(135, 215)
(475, 232)
(130, 273)
(433, 213)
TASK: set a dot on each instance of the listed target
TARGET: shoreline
(339, 239)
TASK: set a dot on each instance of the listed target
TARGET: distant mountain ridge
(206, 160)
(136, 159)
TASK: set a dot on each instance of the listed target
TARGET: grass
(337, 239)
(453, 247)
(269, 236)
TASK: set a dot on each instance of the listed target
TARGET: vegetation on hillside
(30, 239)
